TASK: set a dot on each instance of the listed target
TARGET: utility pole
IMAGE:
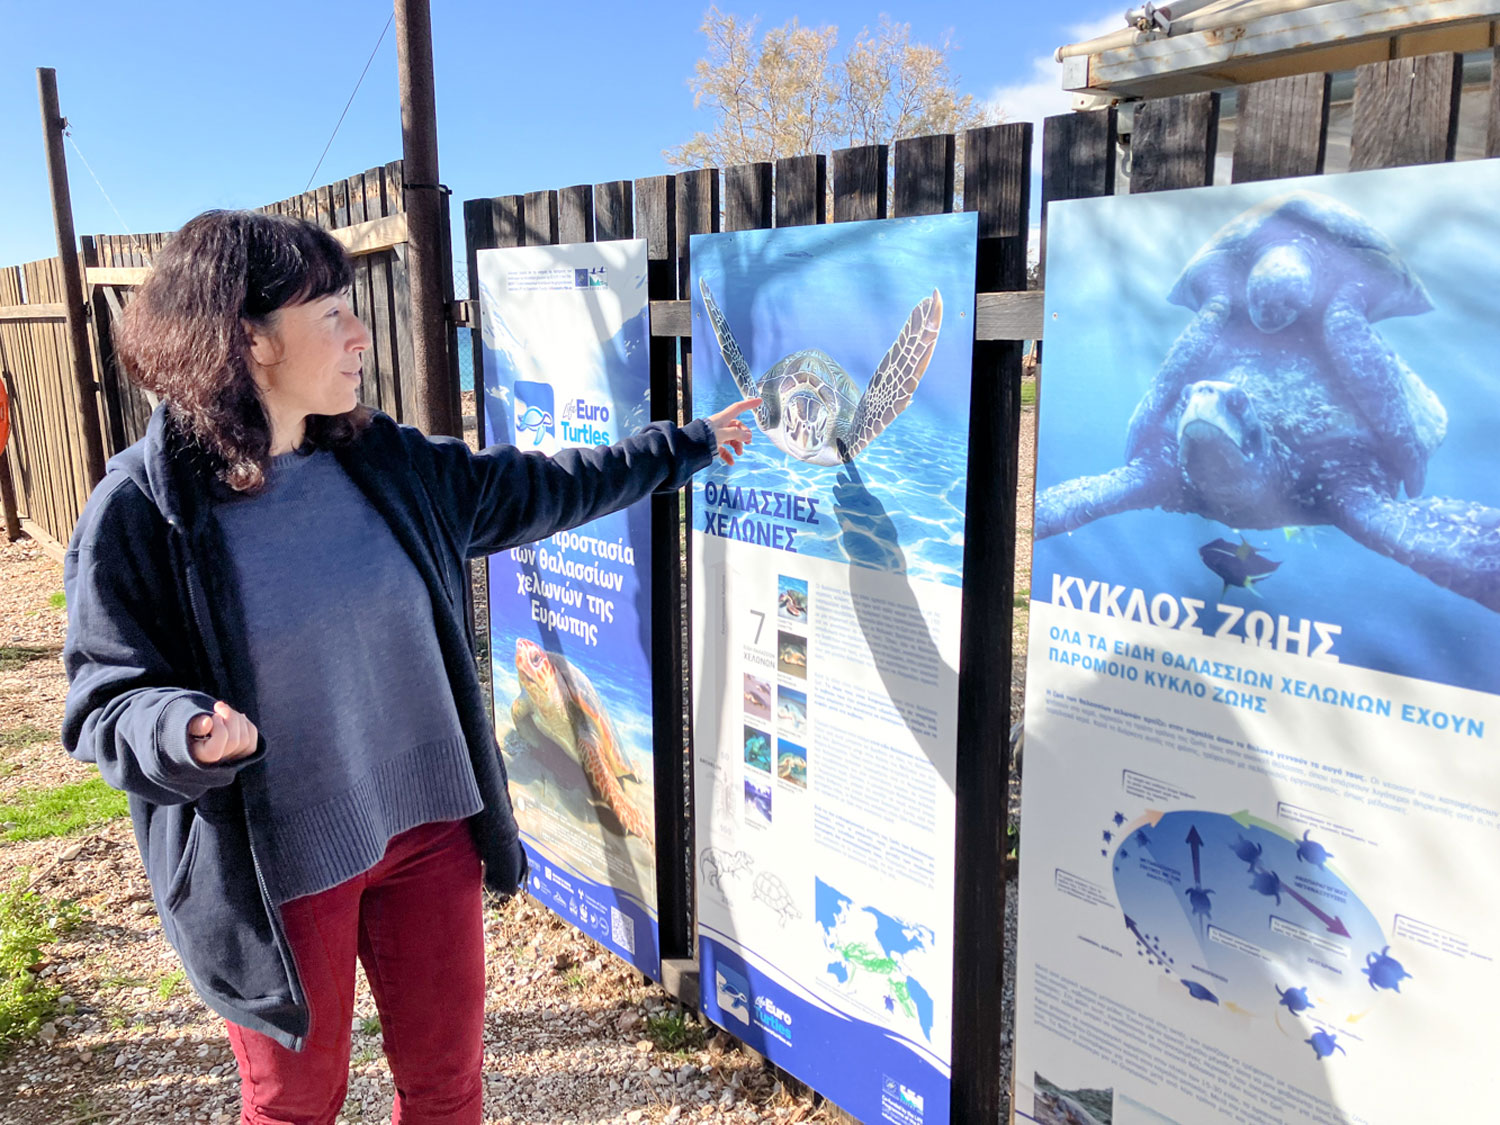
(53, 124)
(433, 397)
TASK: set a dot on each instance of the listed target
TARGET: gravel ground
(565, 1041)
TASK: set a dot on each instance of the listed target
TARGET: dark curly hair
(183, 337)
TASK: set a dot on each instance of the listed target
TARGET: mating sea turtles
(810, 406)
(1280, 405)
(561, 703)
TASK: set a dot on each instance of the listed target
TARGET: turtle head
(1222, 446)
(535, 670)
(1281, 286)
(807, 423)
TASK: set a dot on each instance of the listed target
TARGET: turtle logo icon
(534, 411)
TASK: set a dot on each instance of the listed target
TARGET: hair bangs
(290, 262)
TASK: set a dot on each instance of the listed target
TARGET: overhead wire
(144, 250)
(350, 102)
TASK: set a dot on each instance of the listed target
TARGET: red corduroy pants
(414, 921)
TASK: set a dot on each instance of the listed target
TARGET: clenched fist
(221, 736)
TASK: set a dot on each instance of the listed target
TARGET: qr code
(622, 930)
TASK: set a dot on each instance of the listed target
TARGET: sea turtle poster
(565, 332)
(827, 583)
(1262, 786)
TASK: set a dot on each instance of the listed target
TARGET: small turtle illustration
(1293, 1000)
(718, 865)
(560, 702)
(1141, 838)
(1119, 819)
(1267, 883)
(1384, 971)
(1310, 851)
(1198, 992)
(772, 891)
(536, 420)
(1246, 851)
(1198, 896)
(1324, 1043)
(1108, 836)
(810, 406)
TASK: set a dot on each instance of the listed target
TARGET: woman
(267, 651)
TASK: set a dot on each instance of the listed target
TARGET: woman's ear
(265, 346)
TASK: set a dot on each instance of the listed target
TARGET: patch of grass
(1012, 840)
(369, 1025)
(119, 980)
(19, 738)
(675, 1031)
(575, 978)
(58, 599)
(16, 656)
(58, 812)
(170, 983)
(1022, 599)
(28, 921)
(1028, 392)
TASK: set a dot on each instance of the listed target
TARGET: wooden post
(72, 277)
(1283, 128)
(801, 191)
(1174, 143)
(432, 396)
(8, 500)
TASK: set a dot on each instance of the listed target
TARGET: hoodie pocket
(179, 884)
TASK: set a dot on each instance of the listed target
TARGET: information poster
(565, 332)
(1259, 843)
(826, 590)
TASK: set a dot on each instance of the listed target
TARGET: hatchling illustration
(811, 408)
(1310, 851)
(1324, 1043)
(770, 890)
(1267, 883)
(559, 702)
(1384, 971)
(1281, 405)
(1293, 1000)
(717, 865)
(1246, 851)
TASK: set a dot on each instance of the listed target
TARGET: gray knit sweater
(362, 737)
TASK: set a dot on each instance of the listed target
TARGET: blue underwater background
(847, 289)
(1111, 263)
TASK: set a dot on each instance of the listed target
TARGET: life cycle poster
(1259, 845)
(826, 590)
(565, 332)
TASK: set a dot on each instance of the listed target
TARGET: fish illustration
(1237, 564)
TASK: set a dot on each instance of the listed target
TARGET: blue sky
(179, 107)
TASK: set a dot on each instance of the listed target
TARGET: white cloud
(1043, 96)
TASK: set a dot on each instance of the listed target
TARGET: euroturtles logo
(733, 993)
(534, 411)
(585, 422)
(591, 277)
(775, 1020)
(900, 1102)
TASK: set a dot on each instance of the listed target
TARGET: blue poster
(565, 332)
(827, 587)
(1262, 793)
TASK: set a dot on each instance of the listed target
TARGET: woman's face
(307, 359)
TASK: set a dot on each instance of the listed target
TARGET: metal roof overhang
(1231, 42)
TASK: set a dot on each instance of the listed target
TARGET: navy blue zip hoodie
(154, 637)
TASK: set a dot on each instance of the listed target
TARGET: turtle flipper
(602, 777)
(1073, 503)
(896, 377)
(1455, 543)
(734, 359)
(1400, 408)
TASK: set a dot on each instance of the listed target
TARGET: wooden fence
(366, 212)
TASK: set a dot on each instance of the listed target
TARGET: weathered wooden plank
(859, 183)
(1406, 111)
(378, 360)
(1282, 128)
(48, 311)
(575, 214)
(509, 220)
(1174, 143)
(923, 180)
(998, 316)
(116, 275)
(395, 187)
(405, 348)
(340, 204)
(1492, 146)
(614, 211)
(372, 235)
(656, 222)
(997, 185)
(479, 234)
(697, 213)
(540, 216)
(747, 196)
(801, 191)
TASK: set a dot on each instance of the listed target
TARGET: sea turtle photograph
(811, 408)
(1295, 382)
(558, 708)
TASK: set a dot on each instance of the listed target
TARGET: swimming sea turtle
(1293, 999)
(1384, 970)
(1280, 405)
(1246, 851)
(1324, 1043)
(562, 704)
(1310, 851)
(811, 408)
